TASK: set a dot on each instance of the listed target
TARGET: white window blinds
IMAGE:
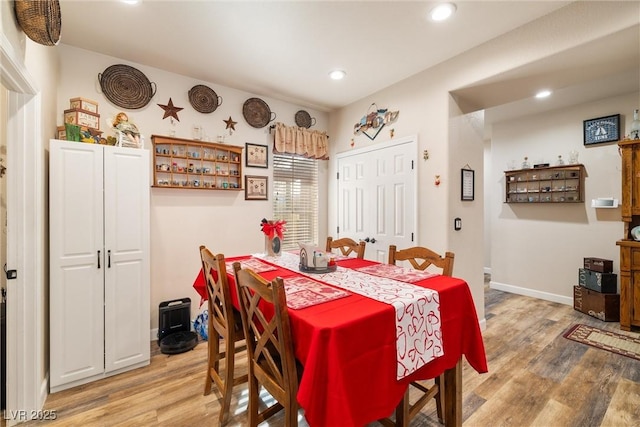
(295, 189)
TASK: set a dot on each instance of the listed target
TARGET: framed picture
(257, 156)
(256, 187)
(602, 129)
(468, 184)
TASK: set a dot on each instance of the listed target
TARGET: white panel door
(377, 196)
(127, 274)
(76, 270)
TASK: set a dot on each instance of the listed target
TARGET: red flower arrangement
(273, 228)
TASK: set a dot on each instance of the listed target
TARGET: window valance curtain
(312, 144)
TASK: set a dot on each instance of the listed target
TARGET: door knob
(372, 240)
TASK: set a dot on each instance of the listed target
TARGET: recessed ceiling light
(543, 93)
(130, 1)
(442, 11)
(337, 74)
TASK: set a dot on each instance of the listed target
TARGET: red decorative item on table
(274, 233)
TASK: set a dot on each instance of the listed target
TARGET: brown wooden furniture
(272, 362)
(186, 163)
(421, 258)
(553, 184)
(225, 323)
(630, 248)
(346, 246)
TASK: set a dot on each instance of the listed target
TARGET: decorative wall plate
(126, 87)
(203, 99)
(257, 113)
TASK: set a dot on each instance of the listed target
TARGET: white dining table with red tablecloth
(347, 346)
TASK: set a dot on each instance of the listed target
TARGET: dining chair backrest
(224, 324)
(346, 246)
(272, 362)
(421, 258)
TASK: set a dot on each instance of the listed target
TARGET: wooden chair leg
(439, 380)
(402, 411)
(228, 381)
(213, 355)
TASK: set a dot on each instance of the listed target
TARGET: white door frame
(26, 389)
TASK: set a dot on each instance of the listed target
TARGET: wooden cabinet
(185, 163)
(99, 301)
(554, 184)
(629, 248)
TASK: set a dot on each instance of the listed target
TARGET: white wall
(427, 110)
(183, 219)
(537, 249)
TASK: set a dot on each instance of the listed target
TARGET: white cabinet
(99, 307)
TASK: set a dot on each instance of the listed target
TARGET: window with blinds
(295, 189)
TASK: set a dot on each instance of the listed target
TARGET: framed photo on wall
(257, 156)
(601, 130)
(467, 177)
(256, 187)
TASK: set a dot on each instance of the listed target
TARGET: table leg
(453, 396)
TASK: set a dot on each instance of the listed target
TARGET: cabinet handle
(98, 259)
(109, 258)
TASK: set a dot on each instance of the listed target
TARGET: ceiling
(285, 49)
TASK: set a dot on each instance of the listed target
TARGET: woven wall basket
(40, 20)
(126, 86)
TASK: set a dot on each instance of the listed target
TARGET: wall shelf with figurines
(187, 163)
(545, 184)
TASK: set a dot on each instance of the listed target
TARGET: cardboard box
(83, 104)
(606, 283)
(605, 307)
(61, 133)
(598, 264)
(82, 118)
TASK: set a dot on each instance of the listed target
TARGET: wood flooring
(536, 378)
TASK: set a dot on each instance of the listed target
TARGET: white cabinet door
(377, 196)
(76, 262)
(127, 273)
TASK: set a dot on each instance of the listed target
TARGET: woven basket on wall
(40, 20)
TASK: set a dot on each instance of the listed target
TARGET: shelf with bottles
(551, 184)
(185, 163)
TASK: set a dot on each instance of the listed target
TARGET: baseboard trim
(487, 270)
(531, 293)
(154, 334)
(483, 324)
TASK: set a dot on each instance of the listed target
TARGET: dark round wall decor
(126, 87)
(257, 113)
(203, 99)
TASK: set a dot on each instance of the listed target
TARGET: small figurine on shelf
(525, 164)
(573, 157)
(560, 162)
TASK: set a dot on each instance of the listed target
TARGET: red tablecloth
(348, 349)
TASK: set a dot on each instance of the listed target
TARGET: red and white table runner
(418, 334)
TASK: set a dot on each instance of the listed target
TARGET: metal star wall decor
(170, 110)
(230, 124)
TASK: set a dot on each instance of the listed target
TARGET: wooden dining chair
(272, 362)
(224, 324)
(420, 258)
(346, 246)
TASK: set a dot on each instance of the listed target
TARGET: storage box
(606, 283)
(82, 118)
(61, 133)
(83, 104)
(598, 264)
(605, 307)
